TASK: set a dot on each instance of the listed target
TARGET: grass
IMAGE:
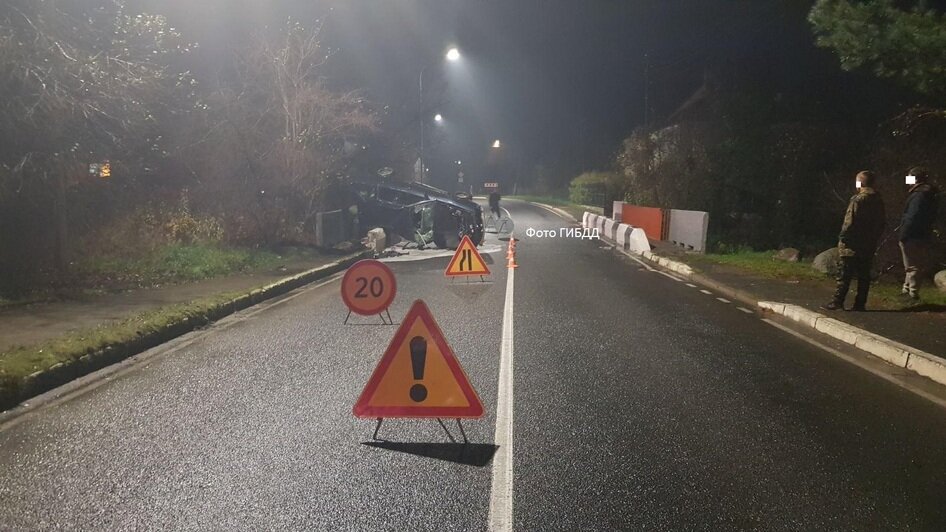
(885, 292)
(761, 263)
(176, 263)
(18, 363)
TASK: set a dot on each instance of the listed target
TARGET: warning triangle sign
(418, 376)
(466, 261)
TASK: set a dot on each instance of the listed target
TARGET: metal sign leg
(346, 318)
(376, 429)
(462, 432)
(452, 439)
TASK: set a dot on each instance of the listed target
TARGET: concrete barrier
(650, 219)
(688, 229)
(632, 239)
(616, 211)
(592, 220)
(584, 219)
(599, 223)
(608, 229)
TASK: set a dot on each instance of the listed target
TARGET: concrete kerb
(891, 351)
(59, 374)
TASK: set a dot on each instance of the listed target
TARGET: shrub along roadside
(176, 263)
(29, 371)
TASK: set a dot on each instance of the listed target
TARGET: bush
(592, 188)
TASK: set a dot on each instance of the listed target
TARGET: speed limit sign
(368, 288)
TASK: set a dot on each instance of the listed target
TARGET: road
(638, 401)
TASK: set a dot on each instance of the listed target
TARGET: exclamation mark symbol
(418, 360)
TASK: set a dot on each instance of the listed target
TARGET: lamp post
(452, 55)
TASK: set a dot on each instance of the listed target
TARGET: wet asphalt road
(640, 403)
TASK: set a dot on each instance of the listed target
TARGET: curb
(556, 210)
(63, 372)
(890, 351)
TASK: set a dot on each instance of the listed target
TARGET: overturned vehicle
(418, 212)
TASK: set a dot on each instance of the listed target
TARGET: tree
(906, 45)
(281, 139)
(81, 84)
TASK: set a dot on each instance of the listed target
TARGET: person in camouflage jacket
(863, 224)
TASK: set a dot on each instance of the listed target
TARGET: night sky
(560, 82)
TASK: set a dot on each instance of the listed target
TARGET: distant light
(911, 180)
(458, 162)
(497, 144)
(453, 54)
(438, 117)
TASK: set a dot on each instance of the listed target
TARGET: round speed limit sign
(368, 287)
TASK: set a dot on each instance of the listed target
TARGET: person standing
(494, 203)
(857, 243)
(916, 230)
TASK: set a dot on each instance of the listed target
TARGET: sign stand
(452, 439)
(389, 322)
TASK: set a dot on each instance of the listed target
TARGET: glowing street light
(497, 144)
(452, 55)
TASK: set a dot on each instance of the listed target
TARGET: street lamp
(497, 144)
(452, 55)
(438, 117)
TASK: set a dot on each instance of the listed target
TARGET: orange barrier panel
(650, 219)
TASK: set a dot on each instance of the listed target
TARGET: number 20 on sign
(368, 288)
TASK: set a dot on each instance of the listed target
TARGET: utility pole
(646, 87)
(420, 113)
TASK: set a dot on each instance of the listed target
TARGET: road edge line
(896, 354)
(501, 487)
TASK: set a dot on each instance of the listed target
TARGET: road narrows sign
(418, 375)
(466, 261)
(368, 287)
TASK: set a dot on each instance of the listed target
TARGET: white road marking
(707, 292)
(642, 263)
(747, 311)
(723, 299)
(665, 274)
(691, 285)
(861, 364)
(501, 494)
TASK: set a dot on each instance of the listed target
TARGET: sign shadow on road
(472, 454)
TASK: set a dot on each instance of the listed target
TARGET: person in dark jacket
(857, 243)
(494, 203)
(916, 229)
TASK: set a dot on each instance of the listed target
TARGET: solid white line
(500, 496)
(883, 375)
(747, 311)
(707, 292)
(723, 299)
(665, 274)
(642, 263)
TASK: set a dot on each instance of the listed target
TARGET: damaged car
(418, 212)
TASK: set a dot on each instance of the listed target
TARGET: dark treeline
(243, 151)
(770, 141)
